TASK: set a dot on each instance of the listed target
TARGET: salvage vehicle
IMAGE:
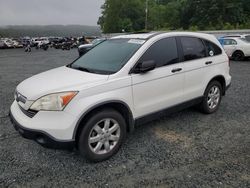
(9, 43)
(41, 41)
(3, 45)
(236, 48)
(17, 43)
(92, 103)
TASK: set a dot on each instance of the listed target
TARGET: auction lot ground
(185, 149)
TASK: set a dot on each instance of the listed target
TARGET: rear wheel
(238, 56)
(102, 135)
(212, 97)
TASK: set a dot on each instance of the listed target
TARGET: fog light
(40, 140)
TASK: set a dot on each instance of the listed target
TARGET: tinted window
(193, 48)
(163, 52)
(229, 42)
(212, 48)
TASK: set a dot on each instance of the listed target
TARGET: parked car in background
(66, 45)
(9, 43)
(27, 40)
(40, 41)
(3, 45)
(54, 40)
(84, 48)
(237, 48)
(17, 43)
(97, 99)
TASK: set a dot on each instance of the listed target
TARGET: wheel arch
(119, 106)
(238, 50)
(221, 79)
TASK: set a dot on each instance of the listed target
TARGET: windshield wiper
(91, 70)
(83, 69)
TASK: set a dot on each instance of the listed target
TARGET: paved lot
(185, 149)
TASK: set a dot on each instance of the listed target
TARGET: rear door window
(193, 48)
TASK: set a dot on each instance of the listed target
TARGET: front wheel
(212, 97)
(102, 135)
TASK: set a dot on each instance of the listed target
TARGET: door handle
(176, 70)
(208, 62)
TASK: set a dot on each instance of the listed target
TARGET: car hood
(58, 80)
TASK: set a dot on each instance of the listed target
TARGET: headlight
(53, 102)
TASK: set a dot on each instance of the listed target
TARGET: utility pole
(146, 16)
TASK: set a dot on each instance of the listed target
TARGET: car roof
(234, 38)
(149, 35)
(136, 36)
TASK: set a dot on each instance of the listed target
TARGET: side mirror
(145, 66)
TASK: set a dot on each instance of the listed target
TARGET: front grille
(29, 113)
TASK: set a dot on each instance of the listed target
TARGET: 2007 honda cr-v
(93, 102)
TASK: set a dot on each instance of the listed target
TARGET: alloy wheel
(104, 136)
(213, 97)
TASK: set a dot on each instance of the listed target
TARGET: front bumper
(53, 134)
(40, 137)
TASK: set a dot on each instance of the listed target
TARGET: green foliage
(228, 26)
(193, 28)
(129, 15)
(118, 16)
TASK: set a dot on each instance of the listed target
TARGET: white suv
(93, 102)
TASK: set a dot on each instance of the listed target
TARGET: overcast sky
(46, 12)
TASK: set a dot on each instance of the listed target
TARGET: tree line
(49, 30)
(130, 15)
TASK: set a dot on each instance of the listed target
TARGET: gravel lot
(185, 149)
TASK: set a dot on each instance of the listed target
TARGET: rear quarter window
(230, 42)
(212, 49)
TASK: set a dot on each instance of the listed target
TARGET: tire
(213, 92)
(238, 56)
(97, 142)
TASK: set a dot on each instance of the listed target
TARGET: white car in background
(9, 43)
(236, 48)
(40, 41)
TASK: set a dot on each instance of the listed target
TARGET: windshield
(108, 57)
